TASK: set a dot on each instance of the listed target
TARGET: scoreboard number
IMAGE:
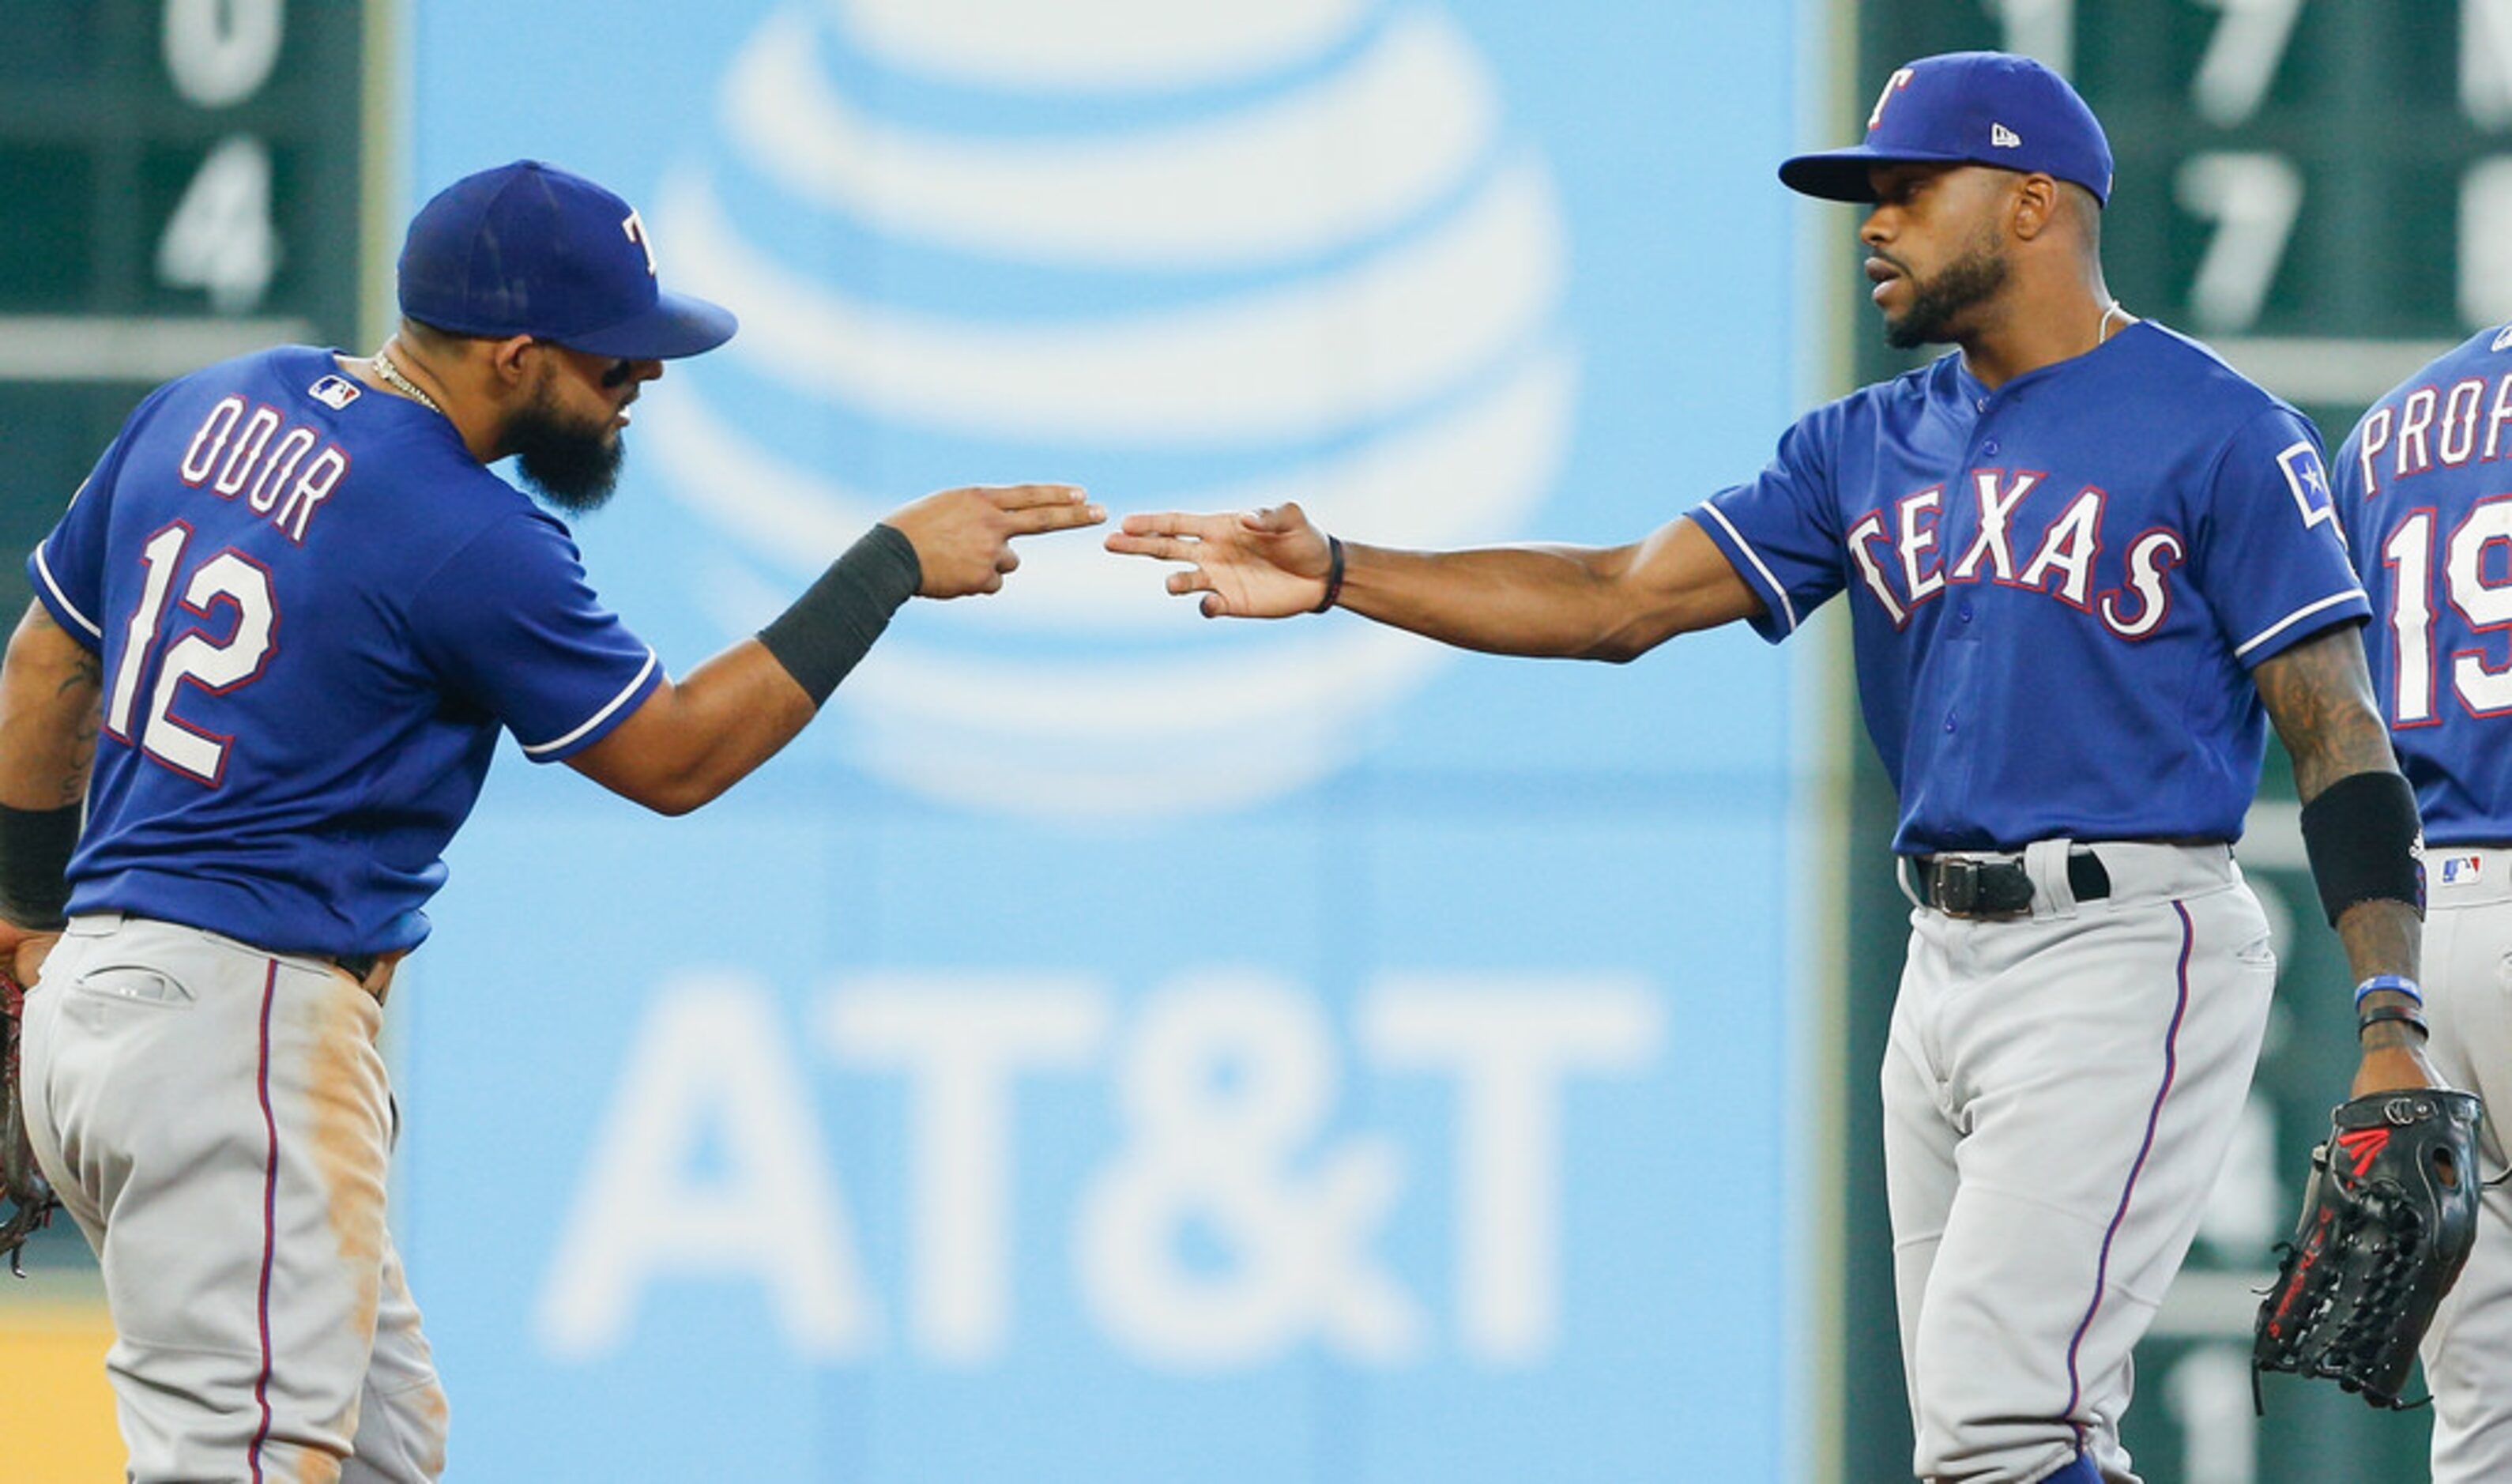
(220, 51)
(2254, 199)
(221, 237)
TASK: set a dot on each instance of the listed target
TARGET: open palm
(1265, 564)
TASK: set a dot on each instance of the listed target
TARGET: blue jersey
(2056, 587)
(314, 611)
(2425, 496)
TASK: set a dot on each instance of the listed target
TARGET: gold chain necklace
(393, 378)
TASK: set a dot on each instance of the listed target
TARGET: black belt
(370, 970)
(1998, 886)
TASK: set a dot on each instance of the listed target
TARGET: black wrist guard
(2363, 840)
(35, 847)
(832, 626)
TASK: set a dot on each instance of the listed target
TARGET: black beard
(1937, 302)
(571, 465)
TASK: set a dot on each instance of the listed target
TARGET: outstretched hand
(963, 537)
(1264, 564)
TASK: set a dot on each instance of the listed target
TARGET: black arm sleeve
(35, 847)
(832, 625)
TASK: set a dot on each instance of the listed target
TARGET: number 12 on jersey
(195, 658)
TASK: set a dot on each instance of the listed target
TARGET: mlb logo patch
(335, 392)
(2309, 482)
(2461, 870)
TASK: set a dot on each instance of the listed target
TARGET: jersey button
(1962, 611)
(1990, 446)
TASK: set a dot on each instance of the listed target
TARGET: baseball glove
(2388, 1216)
(28, 1195)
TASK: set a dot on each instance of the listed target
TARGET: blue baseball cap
(1967, 107)
(530, 248)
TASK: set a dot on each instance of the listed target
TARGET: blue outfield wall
(1113, 1046)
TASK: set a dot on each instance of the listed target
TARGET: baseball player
(2427, 512)
(2081, 558)
(275, 639)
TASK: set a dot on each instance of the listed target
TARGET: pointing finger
(1172, 523)
(1029, 496)
(1166, 548)
(1030, 520)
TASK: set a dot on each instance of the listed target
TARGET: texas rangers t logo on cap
(1899, 80)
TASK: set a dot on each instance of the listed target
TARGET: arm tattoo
(91, 724)
(82, 686)
(2320, 695)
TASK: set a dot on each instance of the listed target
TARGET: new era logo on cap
(1967, 107)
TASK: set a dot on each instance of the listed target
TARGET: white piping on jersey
(46, 568)
(2295, 617)
(531, 750)
(1787, 610)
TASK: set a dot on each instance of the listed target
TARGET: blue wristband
(2399, 983)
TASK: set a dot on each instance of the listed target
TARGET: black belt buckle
(1961, 886)
(1955, 886)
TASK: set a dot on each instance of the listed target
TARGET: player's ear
(509, 360)
(2035, 206)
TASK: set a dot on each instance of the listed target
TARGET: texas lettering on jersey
(1899, 559)
(2053, 611)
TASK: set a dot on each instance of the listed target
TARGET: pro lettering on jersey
(2006, 558)
(2435, 426)
(2425, 494)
